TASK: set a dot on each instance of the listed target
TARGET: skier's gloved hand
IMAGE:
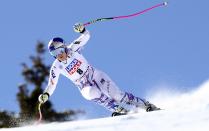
(79, 28)
(43, 98)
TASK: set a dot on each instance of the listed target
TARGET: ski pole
(125, 16)
(40, 114)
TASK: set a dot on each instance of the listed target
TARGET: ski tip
(165, 3)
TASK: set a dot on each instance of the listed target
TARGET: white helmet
(57, 46)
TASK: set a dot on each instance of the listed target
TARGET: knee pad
(91, 92)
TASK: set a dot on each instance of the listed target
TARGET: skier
(93, 84)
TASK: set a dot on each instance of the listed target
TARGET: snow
(182, 111)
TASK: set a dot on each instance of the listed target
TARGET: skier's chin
(62, 59)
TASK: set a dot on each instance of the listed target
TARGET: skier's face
(62, 56)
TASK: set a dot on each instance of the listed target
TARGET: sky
(167, 47)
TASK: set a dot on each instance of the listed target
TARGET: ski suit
(93, 84)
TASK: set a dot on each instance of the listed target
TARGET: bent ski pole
(125, 16)
(40, 114)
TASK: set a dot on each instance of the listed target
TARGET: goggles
(58, 51)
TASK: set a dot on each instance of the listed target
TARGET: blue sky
(166, 46)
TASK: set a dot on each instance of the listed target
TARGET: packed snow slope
(188, 111)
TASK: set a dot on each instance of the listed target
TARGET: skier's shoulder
(55, 65)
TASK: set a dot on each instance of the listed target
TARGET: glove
(79, 28)
(43, 98)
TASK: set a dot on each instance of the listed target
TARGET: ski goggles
(57, 51)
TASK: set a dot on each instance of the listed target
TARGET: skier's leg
(107, 86)
(129, 98)
(94, 94)
(111, 89)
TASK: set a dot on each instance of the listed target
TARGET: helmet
(56, 46)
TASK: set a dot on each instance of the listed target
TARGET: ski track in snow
(182, 111)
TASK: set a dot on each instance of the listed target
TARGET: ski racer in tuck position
(93, 84)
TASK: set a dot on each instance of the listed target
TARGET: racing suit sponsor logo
(77, 42)
(73, 66)
(53, 74)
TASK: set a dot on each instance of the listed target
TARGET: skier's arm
(82, 40)
(53, 79)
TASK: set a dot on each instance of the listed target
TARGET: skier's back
(93, 84)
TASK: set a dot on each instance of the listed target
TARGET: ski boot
(120, 111)
(151, 107)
